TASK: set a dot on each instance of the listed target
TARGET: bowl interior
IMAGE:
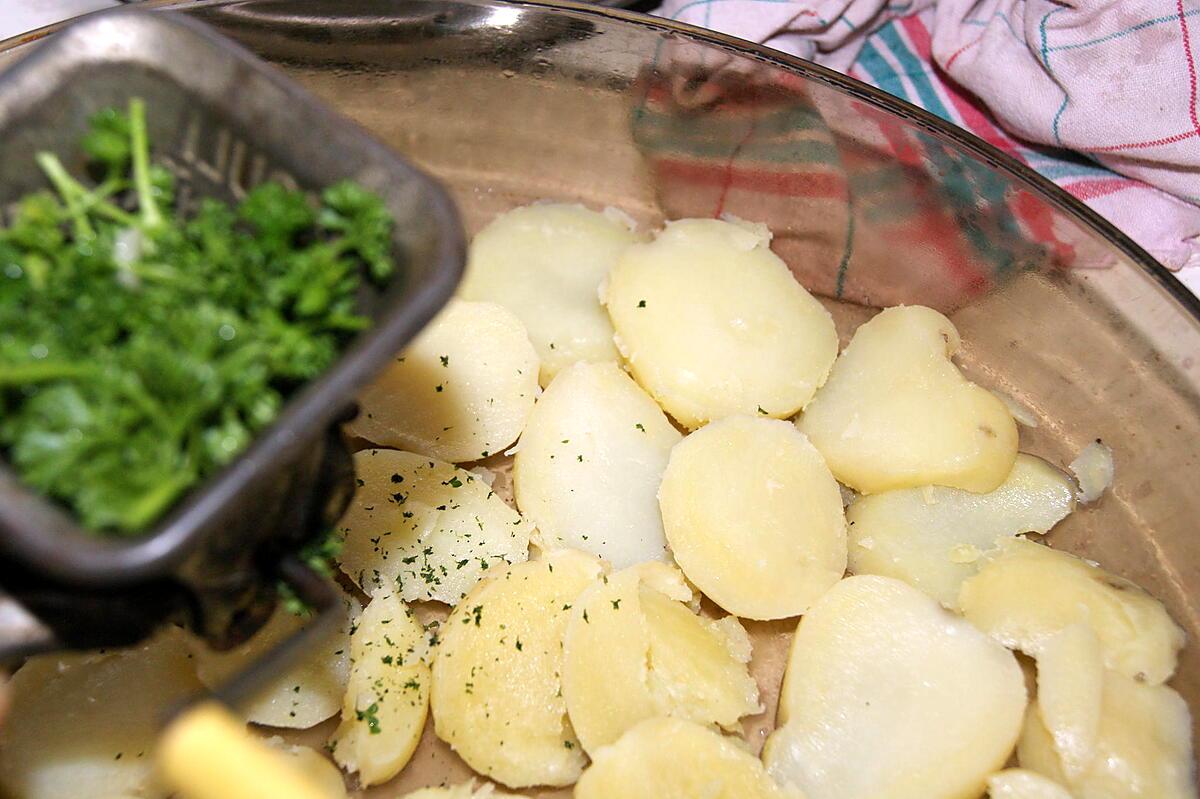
(872, 203)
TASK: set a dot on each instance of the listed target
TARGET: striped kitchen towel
(1100, 96)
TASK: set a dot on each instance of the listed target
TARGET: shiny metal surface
(872, 201)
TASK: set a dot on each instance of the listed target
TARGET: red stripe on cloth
(1191, 64)
(817, 185)
(1091, 189)
(973, 118)
(1141, 145)
(954, 56)
(919, 36)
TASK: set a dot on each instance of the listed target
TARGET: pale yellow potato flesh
(461, 391)
(1028, 592)
(712, 323)
(1143, 747)
(424, 528)
(631, 652)
(1070, 693)
(1094, 469)
(589, 463)
(933, 537)
(897, 413)
(387, 697)
(497, 688)
(304, 695)
(1017, 783)
(545, 263)
(669, 758)
(318, 769)
(753, 517)
(87, 723)
(889, 696)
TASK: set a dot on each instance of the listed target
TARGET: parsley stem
(150, 505)
(43, 372)
(69, 190)
(141, 163)
(96, 201)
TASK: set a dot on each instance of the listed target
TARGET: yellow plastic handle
(206, 753)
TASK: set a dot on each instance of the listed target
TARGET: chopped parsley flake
(369, 715)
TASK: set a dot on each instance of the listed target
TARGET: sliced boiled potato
(497, 687)
(1093, 469)
(465, 790)
(387, 698)
(461, 391)
(712, 323)
(889, 696)
(1028, 592)
(897, 413)
(1017, 783)
(424, 528)
(304, 695)
(590, 462)
(319, 770)
(545, 263)
(1070, 691)
(1035, 747)
(669, 758)
(753, 517)
(87, 724)
(932, 537)
(1143, 748)
(1020, 414)
(632, 652)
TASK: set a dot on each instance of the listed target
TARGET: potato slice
(1035, 747)
(932, 537)
(754, 517)
(1017, 783)
(712, 323)
(314, 765)
(1094, 469)
(497, 690)
(889, 696)
(545, 263)
(590, 462)
(387, 697)
(304, 695)
(1143, 747)
(88, 723)
(897, 413)
(669, 758)
(460, 392)
(1028, 592)
(425, 529)
(631, 652)
(465, 790)
(1070, 681)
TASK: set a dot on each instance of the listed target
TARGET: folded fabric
(1100, 96)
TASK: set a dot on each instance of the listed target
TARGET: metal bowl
(873, 202)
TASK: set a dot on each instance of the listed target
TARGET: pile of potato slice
(667, 425)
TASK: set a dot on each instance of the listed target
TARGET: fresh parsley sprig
(141, 349)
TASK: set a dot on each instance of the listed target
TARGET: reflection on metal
(21, 634)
